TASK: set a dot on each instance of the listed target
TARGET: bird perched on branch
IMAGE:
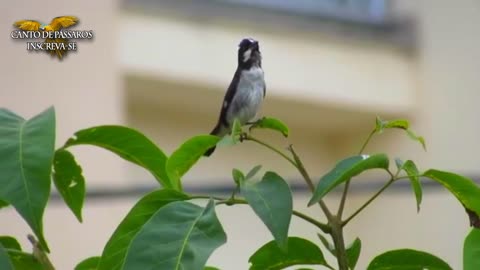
(246, 91)
(56, 24)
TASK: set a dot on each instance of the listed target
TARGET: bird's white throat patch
(246, 55)
(254, 73)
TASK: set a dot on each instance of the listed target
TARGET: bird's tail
(59, 52)
(220, 131)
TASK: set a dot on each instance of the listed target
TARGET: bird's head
(45, 27)
(249, 53)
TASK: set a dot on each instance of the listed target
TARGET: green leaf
(419, 139)
(238, 176)
(187, 155)
(398, 123)
(211, 268)
(130, 145)
(3, 204)
(69, 181)
(9, 242)
(226, 141)
(378, 125)
(88, 264)
(327, 244)
(253, 172)
(414, 175)
(27, 148)
(345, 170)
(115, 251)
(300, 252)
(5, 263)
(181, 235)
(353, 253)
(399, 163)
(234, 137)
(381, 125)
(271, 200)
(236, 130)
(271, 123)
(22, 260)
(407, 259)
(471, 250)
(464, 189)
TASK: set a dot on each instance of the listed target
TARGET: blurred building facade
(162, 67)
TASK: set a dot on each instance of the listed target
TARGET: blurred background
(331, 66)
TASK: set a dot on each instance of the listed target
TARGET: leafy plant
(166, 229)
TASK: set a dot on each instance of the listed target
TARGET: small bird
(246, 91)
(56, 24)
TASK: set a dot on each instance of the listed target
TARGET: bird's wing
(227, 100)
(63, 22)
(27, 25)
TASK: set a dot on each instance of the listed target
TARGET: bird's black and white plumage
(246, 91)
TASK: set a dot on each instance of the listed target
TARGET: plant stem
(345, 222)
(39, 254)
(343, 199)
(334, 224)
(253, 139)
(367, 141)
(347, 184)
(337, 227)
(339, 242)
(206, 197)
(324, 227)
(309, 181)
(297, 163)
(408, 176)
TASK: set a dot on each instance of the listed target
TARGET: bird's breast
(249, 95)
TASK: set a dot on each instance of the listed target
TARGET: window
(367, 11)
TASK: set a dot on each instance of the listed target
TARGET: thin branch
(367, 141)
(334, 226)
(345, 222)
(301, 168)
(304, 173)
(407, 177)
(343, 199)
(322, 226)
(253, 139)
(206, 197)
(347, 184)
(339, 242)
(297, 163)
(39, 254)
